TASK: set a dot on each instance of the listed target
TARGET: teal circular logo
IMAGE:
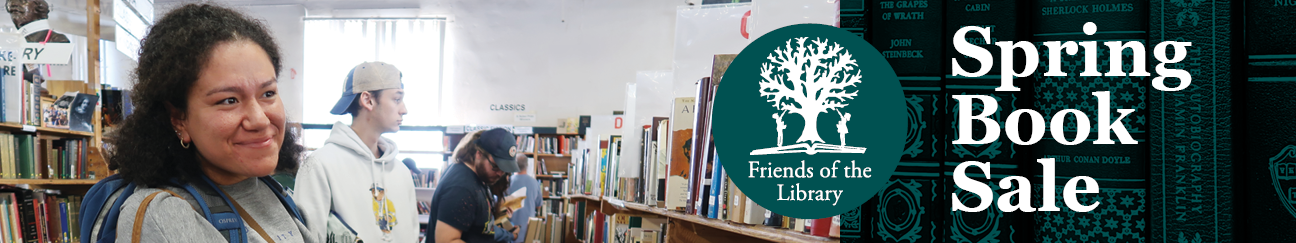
(809, 121)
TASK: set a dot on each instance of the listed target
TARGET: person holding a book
(356, 177)
(462, 206)
(208, 127)
(531, 205)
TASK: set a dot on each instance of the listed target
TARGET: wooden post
(92, 65)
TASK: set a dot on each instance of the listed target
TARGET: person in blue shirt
(531, 205)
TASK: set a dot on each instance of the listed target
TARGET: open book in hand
(509, 204)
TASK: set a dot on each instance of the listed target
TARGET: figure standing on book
(841, 126)
(208, 132)
(531, 205)
(778, 119)
(356, 176)
(462, 208)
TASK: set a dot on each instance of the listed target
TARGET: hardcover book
(681, 150)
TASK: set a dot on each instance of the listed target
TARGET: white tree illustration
(809, 80)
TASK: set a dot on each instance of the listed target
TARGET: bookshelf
(93, 161)
(551, 152)
(53, 182)
(692, 228)
(550, 177)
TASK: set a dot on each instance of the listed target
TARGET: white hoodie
(339, 176)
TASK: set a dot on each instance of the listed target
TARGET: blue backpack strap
(216, 208)
(284, 199)
(93, 204)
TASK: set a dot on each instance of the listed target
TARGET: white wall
(560, 58)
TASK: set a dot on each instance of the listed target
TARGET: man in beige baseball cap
(356, 177)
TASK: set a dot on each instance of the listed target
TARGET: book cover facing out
(681, 146)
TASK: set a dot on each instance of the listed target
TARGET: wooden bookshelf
(550, 177)
(689, 226)
(45, 133)
(94, 139)
(61, 182)
(14, 127)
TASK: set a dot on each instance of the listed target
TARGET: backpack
(102, 205)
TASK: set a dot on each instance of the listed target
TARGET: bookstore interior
(608, 107)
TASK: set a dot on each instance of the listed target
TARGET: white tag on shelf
(29, 128)
(454, 129)
(523, 130)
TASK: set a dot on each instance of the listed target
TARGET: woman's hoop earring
(182, 143)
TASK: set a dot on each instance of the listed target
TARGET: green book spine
(25, 167)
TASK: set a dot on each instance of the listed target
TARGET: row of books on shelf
(677, 167)
(554, 188)
(548, 228)
(543, 168)
(41, 216)
(27, 156)
(597, 227)
(73, 110)
(548, 144)
(426, 178)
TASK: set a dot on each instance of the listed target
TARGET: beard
(483, 172)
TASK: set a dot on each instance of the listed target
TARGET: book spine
(1122, 169)
(6, 234)
(698, 164)
(1267, 166)
(714, 198)
(27, 210)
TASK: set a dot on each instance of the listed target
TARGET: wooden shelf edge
(56, 131)
(754, 231)
(583, 197)
(86, 182)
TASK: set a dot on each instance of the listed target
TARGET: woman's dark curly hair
(147, 150)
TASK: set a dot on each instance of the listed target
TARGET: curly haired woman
(208, 122)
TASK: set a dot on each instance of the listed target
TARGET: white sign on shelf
(523, 130)
(48, 53)
(454, 130)
(474, 128)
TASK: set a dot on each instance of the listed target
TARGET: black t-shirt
(463, 202)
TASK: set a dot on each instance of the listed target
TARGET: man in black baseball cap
(462, 205)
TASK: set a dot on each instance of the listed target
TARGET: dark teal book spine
(1192, 141)
(1267, 203)
(1121, 170)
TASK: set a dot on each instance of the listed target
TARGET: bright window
(415, 46)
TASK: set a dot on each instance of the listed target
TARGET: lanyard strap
(247, 217)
